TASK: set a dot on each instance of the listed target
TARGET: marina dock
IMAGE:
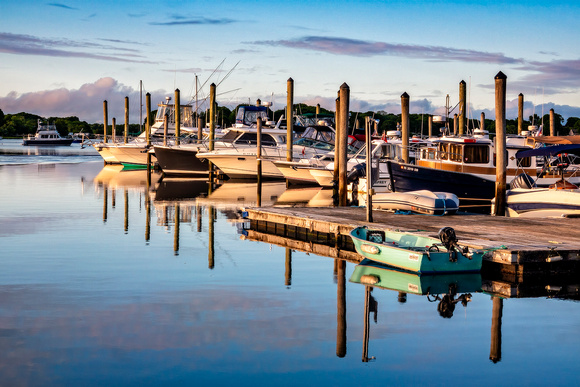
(516, 246)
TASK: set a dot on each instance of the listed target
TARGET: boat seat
(377, 236)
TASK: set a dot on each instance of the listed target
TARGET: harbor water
(110, 278)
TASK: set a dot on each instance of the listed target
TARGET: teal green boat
(374, 274)
(417, 253)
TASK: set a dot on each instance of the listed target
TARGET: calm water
(99, 287)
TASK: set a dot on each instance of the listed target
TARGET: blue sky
(66, 57)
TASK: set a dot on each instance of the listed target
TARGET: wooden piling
(369, 170)
(500, 144)
(212, 91)
(520, 113)
(430, 126)
(317, 110)
(455, 124)
(199, 129)
(482, 123)
(165, 128)
(405, 126)
(495, 346)
(113, 130)
(105, 203)
(336, 142)
(342, 138)
(366, 330)
(126, 131)
(259, 159)
(462, 102)
(552, 123)
(148, 112)
(289, 118)
(105, 120)
(176, 231)
(177, 111)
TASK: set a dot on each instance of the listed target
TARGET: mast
(140, 106)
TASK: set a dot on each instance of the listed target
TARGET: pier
(517, 247)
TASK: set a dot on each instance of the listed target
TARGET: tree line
(22, 124)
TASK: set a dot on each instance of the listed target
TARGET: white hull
(243, 165)
(542, 202)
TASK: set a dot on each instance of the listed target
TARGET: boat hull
(410, 252)
(374, 274)
(539, 202)
(56, 141)
(474, 192)
(176, 161)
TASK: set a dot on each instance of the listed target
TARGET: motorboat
(182, 160)
(241, 162)
(464, 166)
(420, 202)
(46, 134)
(417, 253)
(135, 152)
(524, 199)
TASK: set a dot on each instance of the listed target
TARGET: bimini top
(547, 150)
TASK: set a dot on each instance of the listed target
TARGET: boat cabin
(248, 115)
(186, 114)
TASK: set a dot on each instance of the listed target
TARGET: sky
(65, 58)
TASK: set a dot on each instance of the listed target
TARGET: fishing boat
(421, 202)
(46, 134)
(464, 166)
(415, 252)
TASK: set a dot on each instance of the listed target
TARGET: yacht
(46, 134)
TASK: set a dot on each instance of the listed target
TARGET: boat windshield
(248, 115)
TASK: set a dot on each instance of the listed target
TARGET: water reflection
(445, 289)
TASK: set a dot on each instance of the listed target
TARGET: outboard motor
(523, 180)
(359, 170)
(449, 240)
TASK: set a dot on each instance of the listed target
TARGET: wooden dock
(516, 246)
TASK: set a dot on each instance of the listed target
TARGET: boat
(241, 162)
(464, 166)
(447, 289)
(421, 202)
(525, 199)
(374, 274)
(134, 153)
(46, 134)
(182, 160)
(417, 253)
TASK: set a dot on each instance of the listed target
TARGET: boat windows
(443, 154)
(428, 153)
(473, 154)
(455, 152)
(252, 138)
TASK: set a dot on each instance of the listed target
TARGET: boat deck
(510, 241)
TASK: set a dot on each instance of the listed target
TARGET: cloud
(191, 70)
(20, 44)
(85, 102)
(180, 20)
(62, 6)
(353, 47)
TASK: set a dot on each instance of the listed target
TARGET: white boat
(181, 160)
(241, 163)
(523, 199)
(46, 134)
(422, 202)
(135, 152)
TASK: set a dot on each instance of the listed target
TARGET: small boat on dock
(415, 252)
(421, 202)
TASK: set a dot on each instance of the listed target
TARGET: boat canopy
(553, 140)
(547, 150)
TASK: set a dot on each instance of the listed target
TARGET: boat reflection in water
(446, 289)
(117, 176)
